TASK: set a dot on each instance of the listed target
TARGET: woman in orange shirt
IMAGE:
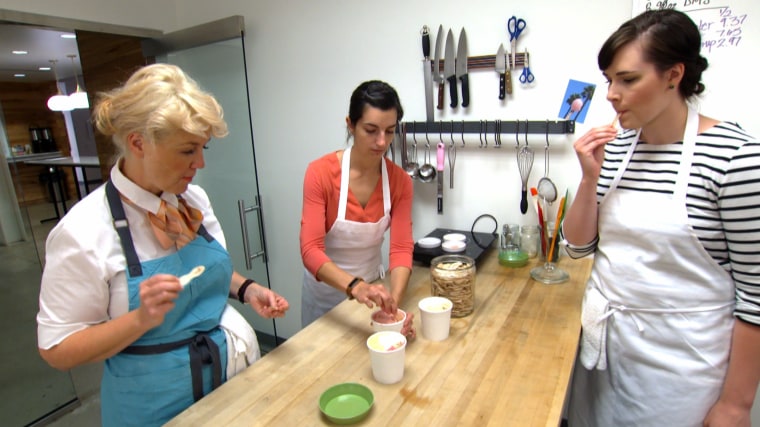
(351, 197)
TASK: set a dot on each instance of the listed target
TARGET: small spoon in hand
(195, 272)
(615, 121)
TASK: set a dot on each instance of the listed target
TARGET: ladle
(427, 170)
(546, 188)
(412, 167)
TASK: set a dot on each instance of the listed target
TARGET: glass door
(229, 177)
(30, 388)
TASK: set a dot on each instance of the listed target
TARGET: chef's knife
(428, 73)
(437, 76)
(449, 69)
(461, 72)
(501, 68)
(439, 166)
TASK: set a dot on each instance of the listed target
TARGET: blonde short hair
(157, 101)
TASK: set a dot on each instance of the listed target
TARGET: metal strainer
(546, 188)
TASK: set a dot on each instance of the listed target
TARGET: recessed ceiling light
(44, 68)
(68, 36)
(20, 52)
(19, 75)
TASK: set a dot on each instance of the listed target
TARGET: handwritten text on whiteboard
(720, 26)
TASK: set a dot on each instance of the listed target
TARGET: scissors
(515, 27)
(526, 76)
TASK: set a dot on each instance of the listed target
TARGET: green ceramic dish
(513, 258)
(346, 403)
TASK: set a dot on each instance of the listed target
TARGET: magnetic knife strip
(484, 62)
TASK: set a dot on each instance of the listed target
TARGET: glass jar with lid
(453, 277)
(530, 239)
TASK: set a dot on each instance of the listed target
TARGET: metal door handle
(243, 211)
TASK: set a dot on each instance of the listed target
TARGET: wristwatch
(351, 285)
(242, 289)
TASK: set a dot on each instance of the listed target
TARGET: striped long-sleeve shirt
(722, 201)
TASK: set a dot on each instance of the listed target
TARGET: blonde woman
(111, 290)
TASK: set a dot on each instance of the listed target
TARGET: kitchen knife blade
(461, 71)
(437, 76)
(439, 165)
(449, 68)
(501, 68)
(428, 73)
(508, 76)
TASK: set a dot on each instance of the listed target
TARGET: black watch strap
(242, 289)
(351, 285)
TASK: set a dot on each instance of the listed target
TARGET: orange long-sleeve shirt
(321, 195)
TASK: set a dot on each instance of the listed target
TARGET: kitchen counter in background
(508, 363)
(30, 181)
(36, 156)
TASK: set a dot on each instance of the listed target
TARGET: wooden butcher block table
(507, 364)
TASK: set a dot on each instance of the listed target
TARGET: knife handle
(425, 43)
(508, 78)
(440, 95)
(465, 90)
(502, 85)
(453, 90)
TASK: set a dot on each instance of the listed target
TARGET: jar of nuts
(453, 277)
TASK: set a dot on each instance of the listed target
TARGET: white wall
(305, 57)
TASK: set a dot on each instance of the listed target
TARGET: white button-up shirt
(84, 280)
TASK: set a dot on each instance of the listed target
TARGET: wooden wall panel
(25, 105)
(107, 61)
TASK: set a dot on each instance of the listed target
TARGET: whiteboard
(730, 40)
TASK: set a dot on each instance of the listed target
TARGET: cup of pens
(549, 272)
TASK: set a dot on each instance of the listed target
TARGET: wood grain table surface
(508, 363)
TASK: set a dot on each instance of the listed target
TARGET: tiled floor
(31, 389)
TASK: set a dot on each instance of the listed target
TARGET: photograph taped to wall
(575, 103)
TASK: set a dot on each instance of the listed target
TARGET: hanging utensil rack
(491, 127)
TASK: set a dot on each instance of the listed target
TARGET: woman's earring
(672, 86)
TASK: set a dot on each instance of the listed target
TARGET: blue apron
(176, 363)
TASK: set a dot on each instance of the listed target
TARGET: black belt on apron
(202, 349)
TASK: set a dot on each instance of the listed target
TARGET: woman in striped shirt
(668, 207)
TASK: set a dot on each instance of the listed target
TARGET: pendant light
(78, 99)
(59, 101)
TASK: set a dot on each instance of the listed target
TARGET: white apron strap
(345, 172)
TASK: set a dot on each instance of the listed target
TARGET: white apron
(657, 314)
(353, 246)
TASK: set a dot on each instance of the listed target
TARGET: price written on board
(720, 30)
(720, 26)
